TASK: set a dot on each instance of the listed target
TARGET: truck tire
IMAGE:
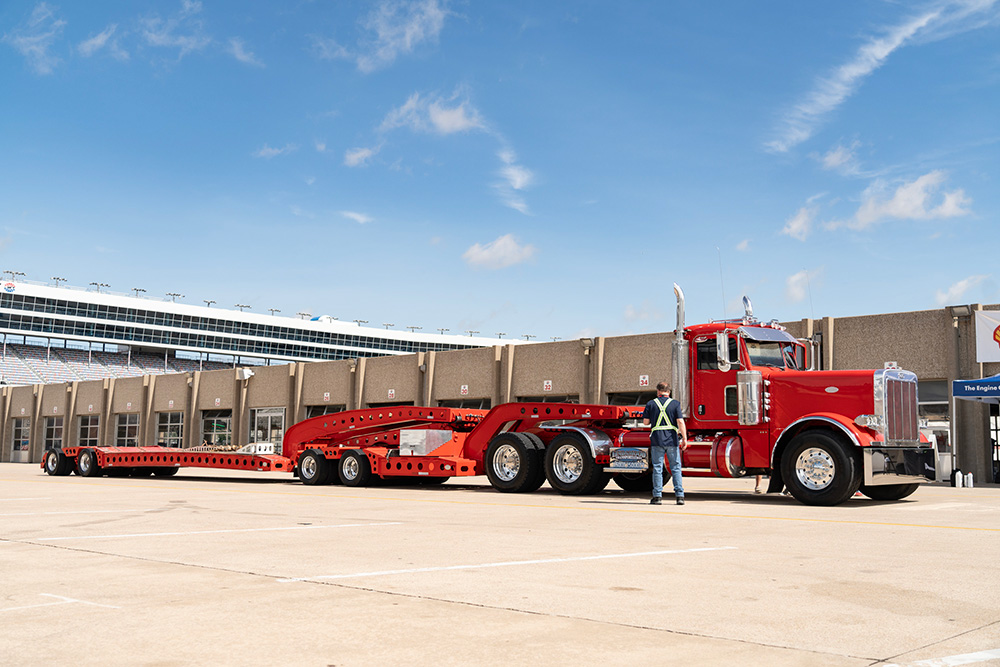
(512, 463)
(634, 481)
(354, 469)
(889, 491)
(570, 468)
(819, 469)
(86, 464)
(57, 463)
(314, 468)
(165, 471)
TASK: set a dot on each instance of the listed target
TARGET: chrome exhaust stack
(747, 310)
(679, 359)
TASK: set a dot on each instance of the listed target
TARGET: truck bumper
(898, 465)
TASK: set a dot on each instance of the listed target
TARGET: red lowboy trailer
(751, 404)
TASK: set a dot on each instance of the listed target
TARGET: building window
(22, 434)
(170, 429)
(572, 398)
(933, 399)
(631, 397)
(53, 432)
(89, 432)
(217, 427)
(467, 403)
(320, 410)
(128, 430)
(267, 425)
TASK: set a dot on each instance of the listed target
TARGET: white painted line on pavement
(74, 512)
(382, 573)
(61, 600)
(963, 659)
(212, 532)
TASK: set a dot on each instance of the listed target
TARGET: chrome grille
(901, 421)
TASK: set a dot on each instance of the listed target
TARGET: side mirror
(722, 351)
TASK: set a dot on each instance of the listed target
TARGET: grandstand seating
(45, 365)
(79, 361)
(33, 364)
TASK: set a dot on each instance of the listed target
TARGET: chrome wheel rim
(52, 462)
(85, 462)
(567, 464)
(506, 462)
(351, 468)
(815, 468)
(308, 467)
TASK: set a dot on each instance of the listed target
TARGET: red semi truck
(751, 404)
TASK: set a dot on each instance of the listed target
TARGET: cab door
(713, 392)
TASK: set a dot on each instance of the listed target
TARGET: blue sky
(518, 167)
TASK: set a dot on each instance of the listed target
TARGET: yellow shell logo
(996, 335)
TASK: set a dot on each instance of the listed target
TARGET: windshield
(773, 354)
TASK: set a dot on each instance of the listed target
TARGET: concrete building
(232, 406)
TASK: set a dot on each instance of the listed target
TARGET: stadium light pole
(555, 338)
(471, 332)
(274, 310)
(241, 306)
(304, 316)
(360, 322)
(97, 286)
(528, 336)
(57, 280)
(412, 329)
(441, 331)
(16, 273)
(501, 334)
(209, 302)
(137, 290)
(8, 271)
(102, 285)
(388, 324)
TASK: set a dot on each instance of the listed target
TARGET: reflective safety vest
(663, 422)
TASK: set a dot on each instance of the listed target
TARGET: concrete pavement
(219, 567)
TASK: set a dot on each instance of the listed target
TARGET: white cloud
(359, 218)
(34, 38)
(104, 39)
(329, 49)
(359, 157)
(842, 159)
(799, 225)
(237, 49)
(797, 285)
(941, 20)
(300, 212)
(645, 312)
(311, 180)
(399, 28)
(434, 114)
(910, 201)
(268, 152)
(320, 146)
(515, 178)
(956, 292)
(501, 253)
(182, 31)
(743, 245)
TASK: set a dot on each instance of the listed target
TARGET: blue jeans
(673, 453)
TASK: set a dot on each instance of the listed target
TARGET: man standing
(664, 414)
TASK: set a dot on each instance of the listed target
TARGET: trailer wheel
(354, 469)
(57, 463)
(889, 491)
(165, 471)
(314, 469)
(570, 468)
(819, 469)
(86, 464)
(513, 465)
(634, 481)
